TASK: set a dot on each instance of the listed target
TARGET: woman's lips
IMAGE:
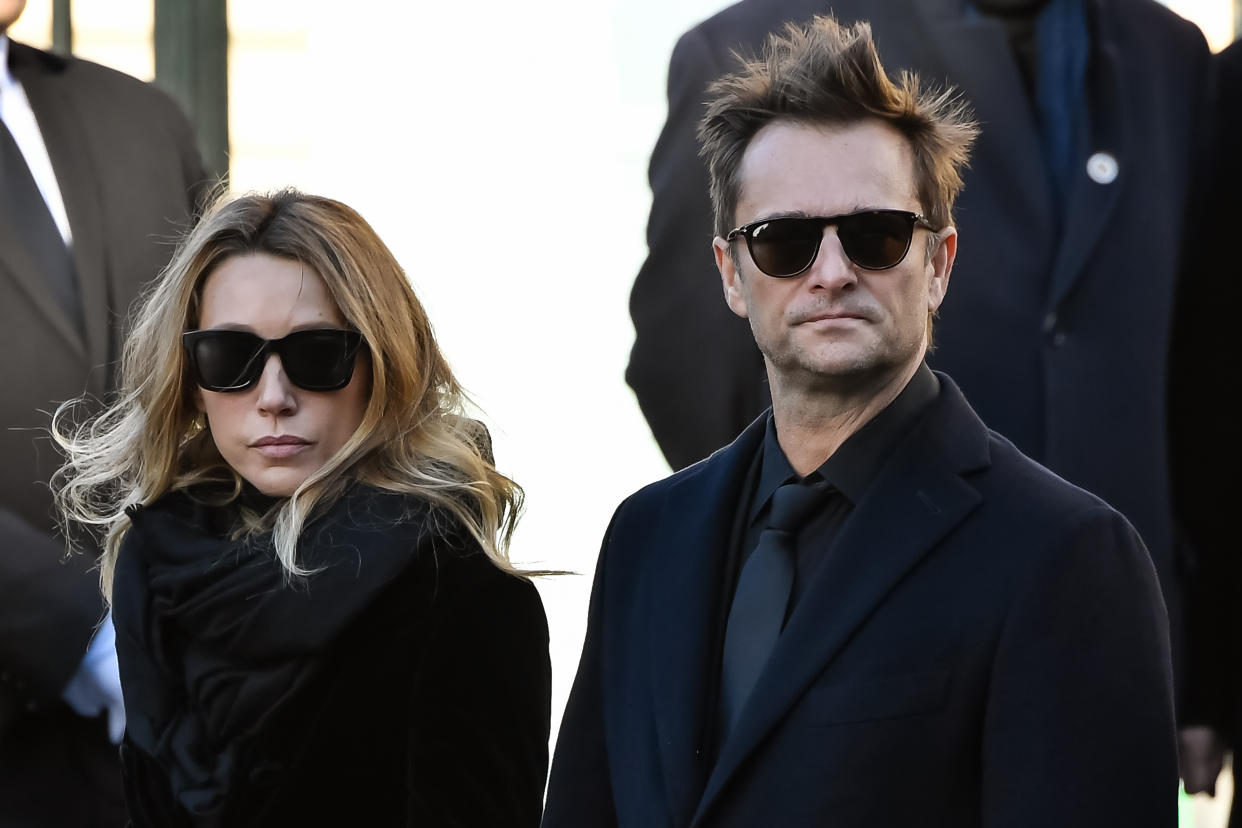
(285, 445)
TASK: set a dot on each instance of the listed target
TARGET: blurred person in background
(307, 545)
(1205, 454)
(97, 172)
(1058, 326)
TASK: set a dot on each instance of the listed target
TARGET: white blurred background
(500, 149)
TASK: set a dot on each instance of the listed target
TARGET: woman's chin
(275, 482)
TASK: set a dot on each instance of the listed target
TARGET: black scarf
(212, 638)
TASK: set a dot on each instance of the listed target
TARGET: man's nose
(832, 269)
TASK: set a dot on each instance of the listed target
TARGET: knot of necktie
(793, 503)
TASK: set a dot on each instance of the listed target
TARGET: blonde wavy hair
(414, 436)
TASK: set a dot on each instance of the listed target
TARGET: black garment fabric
(762, 595)
(1206, 454)
(405, 682)
(1205, 448)
(851, 470)
(23, 207)
(993, 652)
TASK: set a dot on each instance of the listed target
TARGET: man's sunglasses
(872, 239)
(315, 360)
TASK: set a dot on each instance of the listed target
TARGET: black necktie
(762, 596)
(23, 208)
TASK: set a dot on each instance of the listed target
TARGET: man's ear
(730, 279)
(941, 264)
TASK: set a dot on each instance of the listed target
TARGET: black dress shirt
(850, 471)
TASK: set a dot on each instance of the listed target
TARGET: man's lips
(824, 316)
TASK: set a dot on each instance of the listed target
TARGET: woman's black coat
(429, 708)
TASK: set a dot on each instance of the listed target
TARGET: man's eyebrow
(780, 214)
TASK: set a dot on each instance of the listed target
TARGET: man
(1206, 456)
(868, 610)
(98, 172)
(1058, 328)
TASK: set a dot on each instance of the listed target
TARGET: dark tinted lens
(319, 360)
(226, 359)
(785, 247)
(877, 240)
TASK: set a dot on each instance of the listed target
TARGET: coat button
(1050, 322)
(1102, 168)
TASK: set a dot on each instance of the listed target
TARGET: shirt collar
(853, 467)
(7, 81)
(6, 77)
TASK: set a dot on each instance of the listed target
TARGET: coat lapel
(695, 526)
(1092, 203)
(918, 499)
(15, 259)
(63, 135)
(972, 53)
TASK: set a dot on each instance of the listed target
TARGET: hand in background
(96, 687)
(1202, 755)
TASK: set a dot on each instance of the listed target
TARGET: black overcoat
(984, 645)
(428, 704)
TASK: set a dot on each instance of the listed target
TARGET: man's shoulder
(1231, 59)
(1018, 496)
(89, 83)
(748, 21)
(653, 494)
(1152, 14)
(1034, 500)
(1150, 31)
(693, 488)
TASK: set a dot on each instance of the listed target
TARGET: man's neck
(813, 420)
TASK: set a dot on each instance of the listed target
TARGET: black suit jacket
(128, 170)
(1206, 452)
(985, 645)
(1057, 321)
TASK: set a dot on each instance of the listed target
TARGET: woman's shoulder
(454, 596)
(464, 571)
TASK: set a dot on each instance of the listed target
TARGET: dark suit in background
(1058, 324)
(1206, 442)
(984, 645)
(128, 170)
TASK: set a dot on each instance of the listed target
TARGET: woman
(305, 545)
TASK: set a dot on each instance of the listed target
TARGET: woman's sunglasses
(872, 239)
(315, 360)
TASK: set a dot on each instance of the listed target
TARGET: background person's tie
(22, 207)
(762, 596)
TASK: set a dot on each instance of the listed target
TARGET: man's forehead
(794, 167)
